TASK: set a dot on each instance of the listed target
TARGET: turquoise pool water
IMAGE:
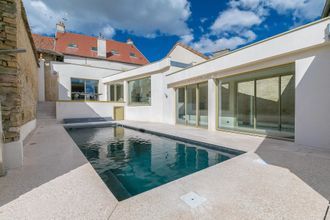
(131, 162)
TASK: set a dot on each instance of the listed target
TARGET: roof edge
(187, 48)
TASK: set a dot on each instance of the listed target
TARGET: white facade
(162, 107)
(307, 48)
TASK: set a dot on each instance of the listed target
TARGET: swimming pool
(131, 162)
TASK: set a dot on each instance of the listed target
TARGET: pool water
(131, 162)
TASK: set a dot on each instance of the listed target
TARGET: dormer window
(72, 45)
(94, 49)
(132, 55)
(114, 52)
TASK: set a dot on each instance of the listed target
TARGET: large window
(84, 89)
(260, 102)
(192, 105)
(115, 92)
(139, 91)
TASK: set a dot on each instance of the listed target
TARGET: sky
(156, 25)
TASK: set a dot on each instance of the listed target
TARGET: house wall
(66, 71)
(19, 81)
(86, 109)
(180, 54)
(99, 63)
(313, 99)
(308, 49)
(154, 112)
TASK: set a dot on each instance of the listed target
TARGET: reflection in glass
(82, 89)
(267, 103)
(112, 93)
(203, 105)
(139, 91)
(180, 105)
(227, 119)
(191, 105)
(119, 93)
(287, 103)
(245, 104)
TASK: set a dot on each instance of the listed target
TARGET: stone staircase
(46, 110)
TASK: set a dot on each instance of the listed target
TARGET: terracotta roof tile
(84, 47)
(43, 42)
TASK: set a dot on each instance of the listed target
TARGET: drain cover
(192, 199)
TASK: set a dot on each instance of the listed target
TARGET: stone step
(46, 110)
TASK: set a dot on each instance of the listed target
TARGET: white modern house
(277, 87)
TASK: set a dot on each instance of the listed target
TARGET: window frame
(115, 95)
(130, 103)
(85, 80)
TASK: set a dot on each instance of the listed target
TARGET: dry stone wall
(18, 72)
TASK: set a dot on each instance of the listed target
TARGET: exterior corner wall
(212, 104)
(312, 118)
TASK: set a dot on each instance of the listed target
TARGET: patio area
(274, 179)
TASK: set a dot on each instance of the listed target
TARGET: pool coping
(143, 130)
(233, 152)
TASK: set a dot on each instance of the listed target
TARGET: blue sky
(155, 26)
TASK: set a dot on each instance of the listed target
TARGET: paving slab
(311, 164)
(240, 188)
(79, 194)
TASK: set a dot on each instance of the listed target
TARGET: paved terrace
(57, 182)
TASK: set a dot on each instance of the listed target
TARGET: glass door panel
(203, 105)
(191, 105)
(267, 103)
(180, 106)
(287, 103)
(245, 104)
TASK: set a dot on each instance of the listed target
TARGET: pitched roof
(43, 42)
(188, 48)
(84, 45)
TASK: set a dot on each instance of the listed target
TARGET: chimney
(60, 27)
(101, 47)
(129, 41)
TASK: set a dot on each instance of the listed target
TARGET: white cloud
(234, 26)
(143, 17)
(108, 31)
(234, 19)
(206, 45)
(187, 39)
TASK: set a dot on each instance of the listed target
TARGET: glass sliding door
(245, 104)
(180, 106)
(191, 105)
(287, 103)
(259, 102)
(267, 103)
(203, 105)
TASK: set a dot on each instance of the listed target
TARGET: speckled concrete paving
(311, 164)
(241, 188)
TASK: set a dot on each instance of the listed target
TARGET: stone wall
(18, 72)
